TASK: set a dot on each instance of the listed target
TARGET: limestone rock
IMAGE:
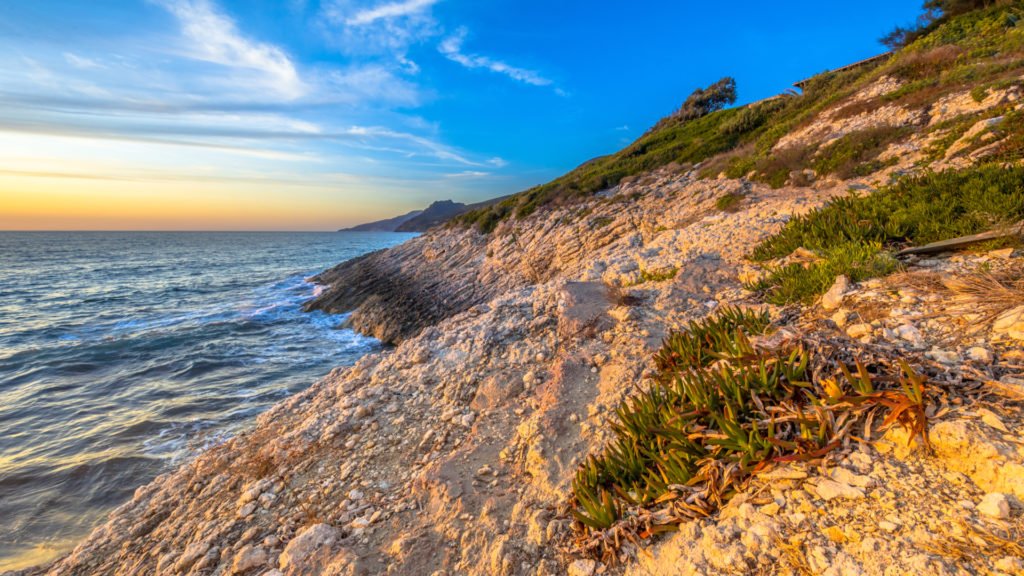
(305, 544)
(858, 330)
(828, 489)
(248, 558)
(1010, 323)
(995, 505)
(834, 297)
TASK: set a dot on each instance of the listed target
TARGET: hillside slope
(868, 424)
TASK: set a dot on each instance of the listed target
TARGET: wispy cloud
(82, 62)
(451, 47)
(388, 29)
(390, 10)
(215, 38)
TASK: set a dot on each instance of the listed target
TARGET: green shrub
(855, 235)
(852, 154)
(729, 202)
(655, 275)
(718, 410)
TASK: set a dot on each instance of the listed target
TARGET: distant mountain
(437, 213)
(422, 220)
(389, 225)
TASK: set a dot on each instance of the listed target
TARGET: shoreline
(456, 451)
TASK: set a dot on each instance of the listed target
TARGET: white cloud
(390, 10)
(451, 47)
(82, 62)
(215, 38)
(388, 29)
(368, 83)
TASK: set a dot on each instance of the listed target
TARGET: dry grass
(986, 295)
(979, 542)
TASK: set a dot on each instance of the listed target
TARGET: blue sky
(319, 113)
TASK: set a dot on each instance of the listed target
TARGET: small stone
(582, 568)
(467, 419)
(979, 354)
(247, 510)
(911, 334)
(845, 476)
(1011, 323)
(888, 526)
(1002, 254)
(834, 297)
(248, 558)
(1010, 565)
(770, 509)
(305, 544)
(355, 495)
(360, 523)
(991, 419)
(995, 505)
(943, 356)
(858, 330)
(835, 534)
(828, 489)
(841, 317)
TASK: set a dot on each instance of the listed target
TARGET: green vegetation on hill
(857, 235)
(972, 49)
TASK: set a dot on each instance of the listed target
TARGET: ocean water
(123, 354)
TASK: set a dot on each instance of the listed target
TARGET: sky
(318, 114)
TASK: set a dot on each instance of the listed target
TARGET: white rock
(834, 297)
(858, 330)
(910, 334)
(979, 354)
(582, 568)
(828, 489)
(1010, 323)
(840, 317)
(306, 543)
(995, 505)
(248, 558)
(887, 526)
(943, 356)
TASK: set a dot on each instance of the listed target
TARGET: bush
(718, 410)
(856, 235)
(729, 202)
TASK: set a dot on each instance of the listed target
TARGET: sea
(124, 354)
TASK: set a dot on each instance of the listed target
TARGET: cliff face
(454, 453)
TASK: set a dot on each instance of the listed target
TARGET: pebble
(887, 526)
(834, 297)
(979, 354)
(582, 568)
(943, 356)
(858, 330)
(828, 489)
(247, 510)
(995, 505)
(1010, 323)
(841, 317)
(248, 558)
(910, 334)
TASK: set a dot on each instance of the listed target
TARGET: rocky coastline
(454, 452)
